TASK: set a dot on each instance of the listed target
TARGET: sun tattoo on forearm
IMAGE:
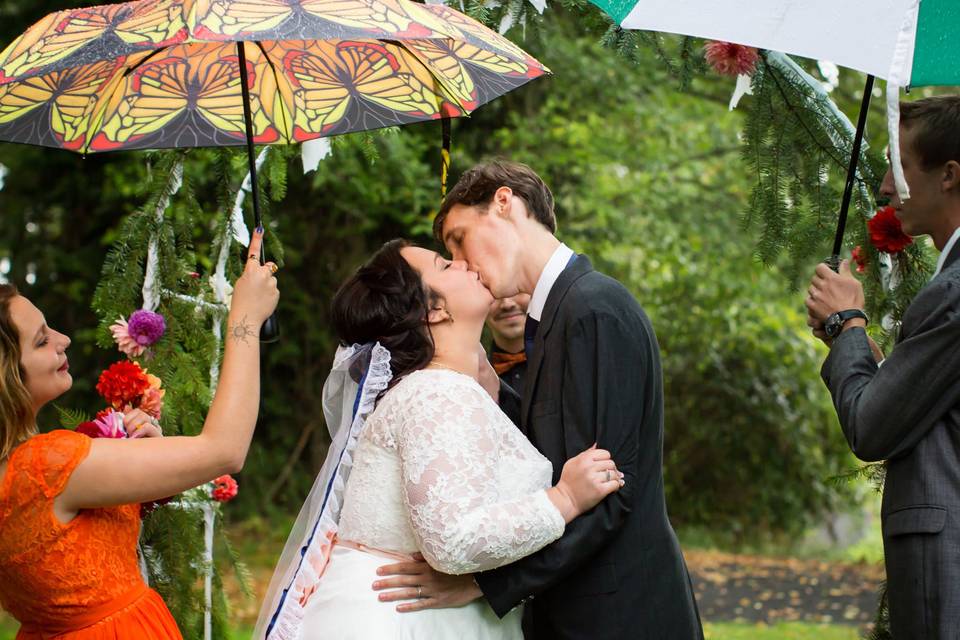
(240, 331)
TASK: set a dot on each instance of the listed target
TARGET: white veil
(359, 375)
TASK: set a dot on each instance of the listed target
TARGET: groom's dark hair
(386, 301)
(478, 186)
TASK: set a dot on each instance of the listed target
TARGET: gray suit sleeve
(886, 411)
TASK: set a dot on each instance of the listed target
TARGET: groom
(593, 377)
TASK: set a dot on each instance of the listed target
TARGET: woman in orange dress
(69, 505)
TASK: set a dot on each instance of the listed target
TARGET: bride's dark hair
(386, 301)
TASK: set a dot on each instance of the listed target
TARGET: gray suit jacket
(907, 412)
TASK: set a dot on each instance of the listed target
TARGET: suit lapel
(579, 268)
(951, 257)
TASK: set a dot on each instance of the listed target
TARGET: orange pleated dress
(74, 581)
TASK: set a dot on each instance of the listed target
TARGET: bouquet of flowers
(125, 385)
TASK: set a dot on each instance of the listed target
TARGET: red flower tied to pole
(886, 233)
(731, 59)
(224, 489)
(123, 383)
(860, 257)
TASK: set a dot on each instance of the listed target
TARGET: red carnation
(860, 257)
(731, 59)
(122, 383)
(224, 489)
(886, 234)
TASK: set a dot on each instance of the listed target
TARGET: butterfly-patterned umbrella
(167, 73)
(154, 74)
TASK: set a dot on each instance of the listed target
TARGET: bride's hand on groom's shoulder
(586, 479)
(424, 587)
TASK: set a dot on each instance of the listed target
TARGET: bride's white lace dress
(438, 469)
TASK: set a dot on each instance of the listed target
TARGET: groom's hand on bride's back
(424, 587)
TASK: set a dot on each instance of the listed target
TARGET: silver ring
(419, 592)
(608, 475)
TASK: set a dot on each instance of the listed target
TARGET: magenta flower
(146, 327)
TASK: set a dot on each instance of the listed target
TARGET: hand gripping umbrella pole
(270, 331)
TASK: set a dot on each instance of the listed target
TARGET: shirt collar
(554, 267)
(946, 251)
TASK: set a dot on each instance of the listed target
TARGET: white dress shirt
(946, 251)
(554, 267)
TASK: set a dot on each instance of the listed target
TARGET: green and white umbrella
(910, 43)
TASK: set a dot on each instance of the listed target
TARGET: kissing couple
(485, 515)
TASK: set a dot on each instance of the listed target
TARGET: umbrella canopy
(166, 73)
(911, 42)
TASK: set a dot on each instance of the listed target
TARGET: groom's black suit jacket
(594, 376)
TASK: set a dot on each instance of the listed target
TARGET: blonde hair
(17, 420)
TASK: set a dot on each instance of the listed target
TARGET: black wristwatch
(834, 324)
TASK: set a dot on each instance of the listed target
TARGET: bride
(422, 460)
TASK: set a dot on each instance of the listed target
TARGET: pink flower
(108, 424)
(731, 59)
(151, 402)
(125, 343)
(224, 489)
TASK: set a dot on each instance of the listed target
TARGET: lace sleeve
(47, 460)
(455, 456)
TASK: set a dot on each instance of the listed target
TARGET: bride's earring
(449, 315)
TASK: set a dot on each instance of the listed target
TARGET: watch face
(833, 325)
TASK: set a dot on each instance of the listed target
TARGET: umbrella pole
(270, 331)
(834, 259)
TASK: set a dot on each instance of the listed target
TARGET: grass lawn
(717, 631)
(782, 631)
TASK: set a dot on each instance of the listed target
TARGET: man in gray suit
(907, 411)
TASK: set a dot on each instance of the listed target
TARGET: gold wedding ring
(274, 268)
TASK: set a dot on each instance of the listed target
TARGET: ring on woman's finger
(274, 268)
(419, 592)
(608, 475)
(253, 256)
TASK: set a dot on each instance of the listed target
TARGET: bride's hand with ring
(586, 479)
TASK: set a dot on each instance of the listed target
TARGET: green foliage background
(665, 189)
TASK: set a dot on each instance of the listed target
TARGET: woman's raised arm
(137, 470)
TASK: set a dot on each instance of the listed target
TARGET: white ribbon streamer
(240, 232)
(901, 70)
(209, 518)
(744, 88)
(151, 295)
(893, 128)
(312, 152)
